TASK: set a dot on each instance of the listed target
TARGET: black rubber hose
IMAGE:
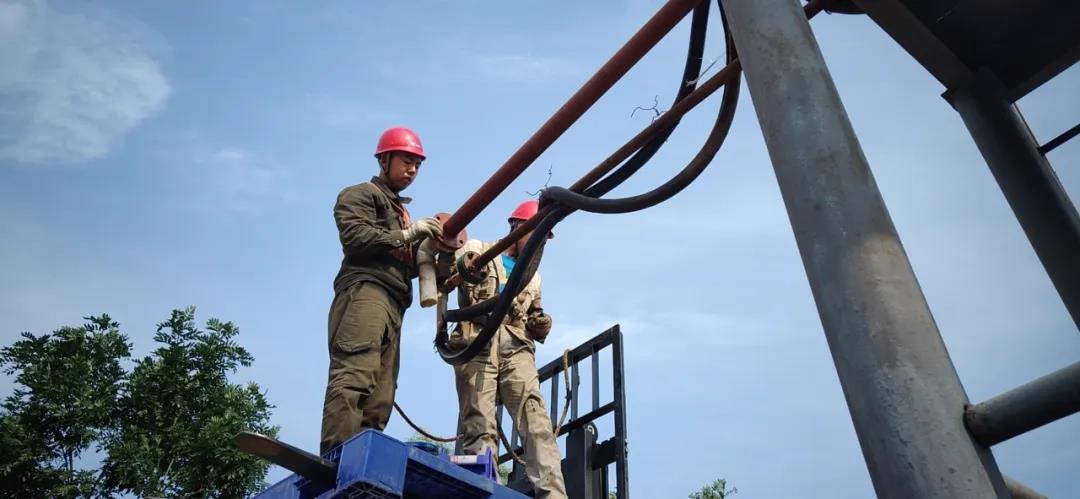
(662, 193)
(677, 183)
(691, 69)
(519, 277)
(695, 53)
(533, 250)
(471, 311)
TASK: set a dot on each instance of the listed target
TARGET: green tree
(420, 437)
(166, 425)
(180, 412)
(61, 406)
(716, 490)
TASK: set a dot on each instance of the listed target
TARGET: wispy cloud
(245, 181)
(232, 155)
(71, 86)
(517, 68)
(665, 335)
(337, 111)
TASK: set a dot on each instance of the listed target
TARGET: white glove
(427, 227)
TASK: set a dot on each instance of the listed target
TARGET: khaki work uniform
(506, 370)
(371, 292)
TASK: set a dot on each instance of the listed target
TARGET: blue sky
(155, 155)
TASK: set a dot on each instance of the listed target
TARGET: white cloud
(338, 111)
(232, 155)
(72, 86)
(247, 182)
(568, 333)
(667, 335)
(519, 68)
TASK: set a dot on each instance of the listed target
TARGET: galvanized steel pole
(905, 399)
(1026, 407)
(1029, 183)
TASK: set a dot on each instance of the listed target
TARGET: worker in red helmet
(506, 369)
(372, 290)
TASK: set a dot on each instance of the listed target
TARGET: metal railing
(585, 468)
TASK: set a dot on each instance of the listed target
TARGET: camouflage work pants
(508, 370)
(364, 338)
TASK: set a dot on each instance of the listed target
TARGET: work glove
(461, 336)
(538, 325)
(427, 227)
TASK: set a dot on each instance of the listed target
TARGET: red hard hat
(399, 138)
(525, 211)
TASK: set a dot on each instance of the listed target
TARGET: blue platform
(373, 465)
(483, 464)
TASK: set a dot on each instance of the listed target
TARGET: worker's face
(519, 245)
(400, 168)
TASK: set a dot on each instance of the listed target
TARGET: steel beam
(1065, 136)
(897, 19)
(905, 399)
(622, 443)
(1026, 407)
(1029, 183)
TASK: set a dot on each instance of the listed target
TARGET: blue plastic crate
(373, 465)
(483, 464)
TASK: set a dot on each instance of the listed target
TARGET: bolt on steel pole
(903, 393)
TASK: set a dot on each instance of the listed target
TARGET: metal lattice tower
(919, 434)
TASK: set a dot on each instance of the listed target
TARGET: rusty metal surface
(727, 74)
(903, 393)
(644, 40)
(451, 242)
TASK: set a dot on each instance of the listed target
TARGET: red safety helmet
(399, 138)
(525, 211)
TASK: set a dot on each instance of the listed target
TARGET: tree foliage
(61, 406)
(420, 437)
(165, 426)
(716, 490)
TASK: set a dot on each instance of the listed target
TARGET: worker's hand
(538, 325)
(427, 227)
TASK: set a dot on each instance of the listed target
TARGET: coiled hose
(691, 69)
(569, 201)
(590, 201)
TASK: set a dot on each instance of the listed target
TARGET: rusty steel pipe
(716, 82)
(629, 54)
(727, 74)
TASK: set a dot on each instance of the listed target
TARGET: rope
(506, 443)
(423, 431)
(566, 379)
